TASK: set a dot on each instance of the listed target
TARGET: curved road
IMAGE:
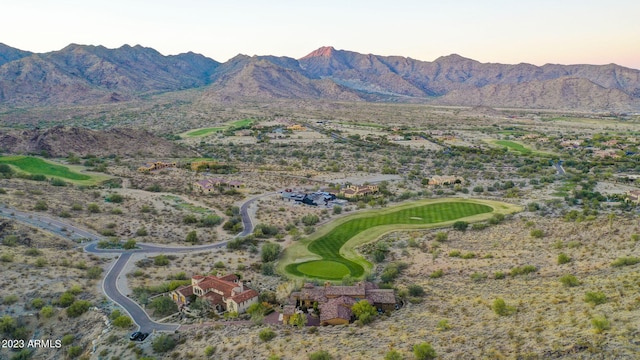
(110, 281)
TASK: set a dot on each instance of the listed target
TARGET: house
(352, 191)
(296, 127)
(156, 166)
(224, 293)
(633, 196)
(335, 302)
(213, 184)
(607, 153)
(445, 180)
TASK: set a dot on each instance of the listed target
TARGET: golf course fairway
(330, 254)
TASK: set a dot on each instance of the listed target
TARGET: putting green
(321, 268)
(330, 253)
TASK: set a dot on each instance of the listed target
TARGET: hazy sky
(537, 32)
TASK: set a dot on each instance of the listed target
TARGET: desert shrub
(94, 272)
(393, 355)
(625, 261)
(441, 236)
(66, 299)
(270, 252)
(569, 280)
(142, 232)
(37, 303)
(563, 258)
(115, 198)
(469, 255)
(310, 220)
(192, 237)
(211, 220)
(523, 270)
(595, 297)
(416, 290)
(320, 355)
(41, 205)
(74, 351)
(499, 275)
(501, 308)
(123, 322)
(267, 269)
(189, 219)
(267, 334)
(537, 233)
(78, 308)
(210, 350)
(9, 299)
(93, 208)
(600, 324)
(443, 325)
(161, 260)
(129, 244)
(477, 276)
(436, 274)
(32, 252)
(460, 225)
(41, 262)
(163, 343)
(47, 312)
(455, 253)
(424, 351)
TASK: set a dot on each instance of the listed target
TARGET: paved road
(110, 281)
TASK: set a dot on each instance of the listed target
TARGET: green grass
(33, 165)
(335, 243)
(229, 126)
(514, 146)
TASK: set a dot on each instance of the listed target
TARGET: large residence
(335, 302)
(224, 293)
(213, 184)
(445, 180)
(156, 166)
(352, 191)
(633, 196)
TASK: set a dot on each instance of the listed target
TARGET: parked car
(135, 336)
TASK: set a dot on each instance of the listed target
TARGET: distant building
(335, 302)
(212, 184)
(224, 293)
(296, 127)
(197, 165)
(445, 180)
(633, 196)
(156, 166)
(352, 191)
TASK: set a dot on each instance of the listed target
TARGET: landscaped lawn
(328, 247)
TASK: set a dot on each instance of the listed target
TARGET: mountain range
(83, 74)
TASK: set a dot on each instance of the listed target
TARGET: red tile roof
(244, 296)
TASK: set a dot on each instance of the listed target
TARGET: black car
(143, 336)
(135, 336)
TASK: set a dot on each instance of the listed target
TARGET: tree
(298, 320)
(163, 306)
(364, 311)
(270, 252)
(256, 310)
(424, 351)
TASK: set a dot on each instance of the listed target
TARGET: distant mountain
(95, 74)
(268, 77)
(80, 74)
(8, 54)
(61, 141)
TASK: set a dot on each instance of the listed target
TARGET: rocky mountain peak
(324, 51)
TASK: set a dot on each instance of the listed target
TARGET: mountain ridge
(88, 74)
